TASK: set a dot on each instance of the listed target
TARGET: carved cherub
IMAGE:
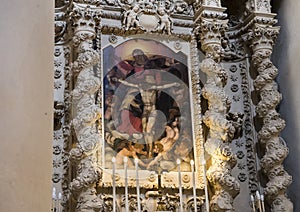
(165, 23)
(131, 18)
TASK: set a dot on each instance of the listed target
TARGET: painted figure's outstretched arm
(128, 83)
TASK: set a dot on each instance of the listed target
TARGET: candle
(113, 160)
(136, 161)
(179, 185)
(252, 202)
(194, 185)
(258, 201)
(53, 199)
(59, 201)
(262, 202)
(126, 185)
(205, 185)
(54, 193)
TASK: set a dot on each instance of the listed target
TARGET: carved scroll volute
(86, 114)
(262, 37)
(210, 27)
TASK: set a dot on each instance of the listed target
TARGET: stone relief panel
(154, 16)
(244, 143)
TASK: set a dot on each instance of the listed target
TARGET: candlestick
(252, 203)
(258, 201)
(194, 185)
(113, 160)
(136, 161)
(126, 185)
(205, 185)
(179, 185)
(262, 202)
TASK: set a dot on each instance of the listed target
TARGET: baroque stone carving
(60, 120)
(86, 113)
(151, 16)
(249, 130)
(60, 21)
(197, 104)
(77, 140)
(262, 38)
(221, 131)
(58, 114)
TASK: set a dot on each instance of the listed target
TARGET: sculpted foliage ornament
(262, 39)
(221, 131)
(210, 35)
(86, 112)
(151, 15)
(210, 29)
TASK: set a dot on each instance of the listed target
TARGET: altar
(167, 106)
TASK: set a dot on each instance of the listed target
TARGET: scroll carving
(151, 16)
(221, 130)
(262, 39)
(86, 113)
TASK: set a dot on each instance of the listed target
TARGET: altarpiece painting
(147, 110)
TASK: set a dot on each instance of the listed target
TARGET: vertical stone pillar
(86, 113)
(210, 27)
(261, 36)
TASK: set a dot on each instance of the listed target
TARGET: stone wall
(286, 58)
(26, 92)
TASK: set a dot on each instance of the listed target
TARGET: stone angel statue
(130, 15)
(165, 22)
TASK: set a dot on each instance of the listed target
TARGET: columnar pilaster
(261, 36)
(210, 27)
(86, 113)
(196, 88)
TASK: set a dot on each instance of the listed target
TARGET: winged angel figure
(131, 15)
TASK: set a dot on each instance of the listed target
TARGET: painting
(146, 106)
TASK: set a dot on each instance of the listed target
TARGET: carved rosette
(86, 113)
(262, 39)
(225, 187)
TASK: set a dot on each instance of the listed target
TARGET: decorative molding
(262, 37)
(122, 32)
(249, 129)
(210, 29)
(196, 88)
(86, 113)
